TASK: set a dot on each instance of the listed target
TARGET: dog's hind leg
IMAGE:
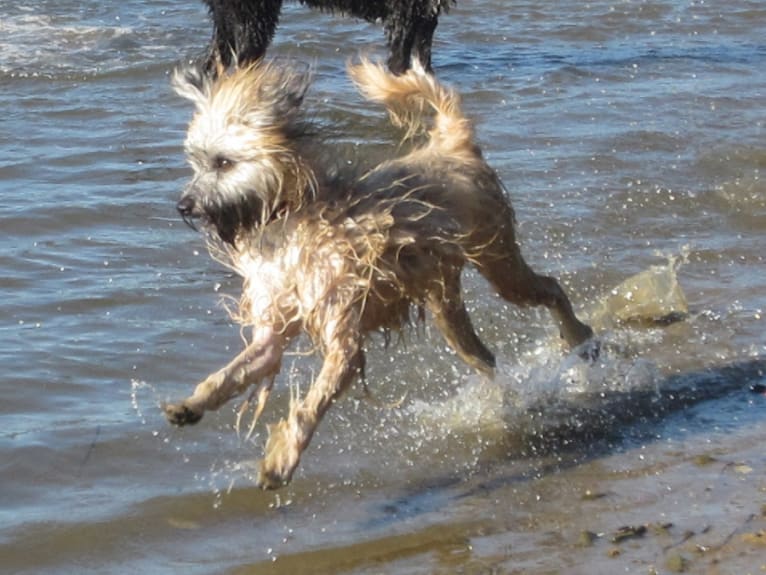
(261, 359)
(453, 321)
(515, 281)
(288, 438)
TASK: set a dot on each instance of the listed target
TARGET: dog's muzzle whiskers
(185, 207)
(189, 221)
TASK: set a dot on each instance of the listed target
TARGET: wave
(54, 47)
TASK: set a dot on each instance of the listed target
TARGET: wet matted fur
(243, 29)
(338, 257)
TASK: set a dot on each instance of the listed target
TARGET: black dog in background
(243, 29)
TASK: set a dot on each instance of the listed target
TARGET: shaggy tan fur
(360, 259)
(241, 144)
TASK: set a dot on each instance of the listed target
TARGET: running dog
(338, 256)
(243, 29)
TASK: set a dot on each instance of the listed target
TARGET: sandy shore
(688, 502)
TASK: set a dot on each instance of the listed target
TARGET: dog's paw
(180, 414)
(282, 454)
(269, 479)
(274, 473)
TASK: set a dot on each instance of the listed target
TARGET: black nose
(185, 207)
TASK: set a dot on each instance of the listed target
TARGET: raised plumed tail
(411, 98)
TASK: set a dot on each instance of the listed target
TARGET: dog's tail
(411, 97)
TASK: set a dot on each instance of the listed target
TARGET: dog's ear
(286, 90)
(190, 81)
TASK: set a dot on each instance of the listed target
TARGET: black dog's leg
(242, 30)
(424, 34)
(399, 24)
(401, 51)
(408, 34)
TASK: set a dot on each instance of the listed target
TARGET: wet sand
(692, 505)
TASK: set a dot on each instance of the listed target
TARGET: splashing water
(545, 384)
(136, 388)
(651, 296)
(560, 392)
(539, 393)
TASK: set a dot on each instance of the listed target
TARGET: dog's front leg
(261, 359)
(290, 437)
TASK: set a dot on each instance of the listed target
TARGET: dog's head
(241, 145)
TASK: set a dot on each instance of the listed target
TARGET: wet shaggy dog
(338, 257)
(243, 29)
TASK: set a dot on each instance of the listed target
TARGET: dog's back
(447, 171)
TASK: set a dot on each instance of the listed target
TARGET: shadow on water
(555, 437)
(631, 415)
(423, 520)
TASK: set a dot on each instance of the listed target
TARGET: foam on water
(33, 45)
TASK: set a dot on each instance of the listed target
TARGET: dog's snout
(185, 207)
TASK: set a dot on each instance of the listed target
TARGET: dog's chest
(288, 281)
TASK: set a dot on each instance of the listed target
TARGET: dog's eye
(222, 163)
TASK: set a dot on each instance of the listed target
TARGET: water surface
(629, 134)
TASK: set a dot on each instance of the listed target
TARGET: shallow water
(629, 134)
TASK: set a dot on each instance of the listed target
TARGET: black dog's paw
(180, 414)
